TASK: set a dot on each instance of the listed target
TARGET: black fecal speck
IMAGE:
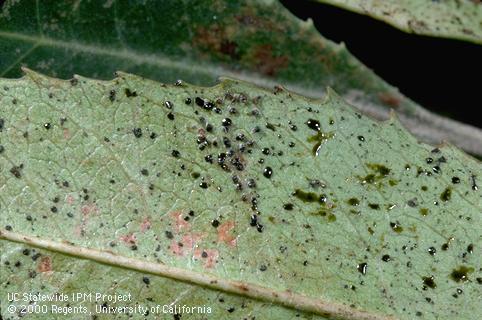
(313, 124)
(461, 274)
(215, 223)
(175, 153)
(8, 228)
(170, 116)
(54, 209)
(362, 268)
(265, 151)
(2, 124)
(203, 185)
(361, 138)
(168, 104)
(209, 127)
(455, 180)
(130, 93)
(188, 101)
(226, 122)
(270, 126)
(251, 183)
(231, 310)
(47, 126)
(233, 111)
(386, 258)
(374, 206)
(396, 227)
(208, 158)
(2, 148)
(146, 280)
(268, 172)
(16, 171)
(412, 202)
(353, 201)
(432, 251)
(429, 282)
(429, 160)
(259, 227)
(74, 81)
(227, 142)
(436, 169)
(474, 184)
(470, 248)
(144, 172)
(263, 267)
(288, 206)
(137, 132)
(153, 135)
(446, 195)
(254, 220)
(169, 235)
(112, 94)
(293, 127)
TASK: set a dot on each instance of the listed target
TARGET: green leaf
(198, 41)
(457, 19)
(292, 206)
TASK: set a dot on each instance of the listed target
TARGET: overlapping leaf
(459, 19)
(197, 41)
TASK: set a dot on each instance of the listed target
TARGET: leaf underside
(457, 19)
(198, 41)
(267, 189)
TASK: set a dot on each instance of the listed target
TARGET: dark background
(442, 75)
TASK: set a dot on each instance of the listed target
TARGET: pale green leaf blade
(457, 19)
(90, 288)
(356, 217)
(198, 41)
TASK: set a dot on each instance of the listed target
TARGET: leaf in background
(197, 41)
(457, 19)
(292, 201)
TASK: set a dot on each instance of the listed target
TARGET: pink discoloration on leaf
(45, 264)
(146, 224)
(70, 199)
(88, 209)
(224, 234)
(129, 238)
(66, 133)
(176, 248)
(179, 223)
(209, 256)
(187, 244)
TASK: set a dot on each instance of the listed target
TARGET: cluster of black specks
(112, 94)
(254, 222)
(205, 104)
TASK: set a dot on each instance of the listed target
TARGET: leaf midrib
(285, 298)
